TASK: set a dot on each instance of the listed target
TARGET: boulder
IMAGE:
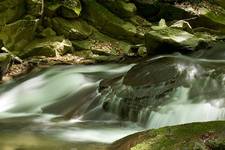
(71, 8)
(47, 32)
(120, 7)
(202, 136)
(52, 46)
(11, 10)
(168, 39)
(67, 8)
(75, 29)
(109, 23)
(17, 35)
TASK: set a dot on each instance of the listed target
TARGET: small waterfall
(182, 110)
(169, 90)
(80, 105)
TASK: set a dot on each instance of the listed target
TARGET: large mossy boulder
(11, 10)
(195, 136)
(76, 29)
(17, 35)
(109, 23)
(165, 39)
(52, 46)
(67, 8)
(121, 8)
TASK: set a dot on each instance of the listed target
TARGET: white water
(56, 88)
(38, 105)
(182, 110)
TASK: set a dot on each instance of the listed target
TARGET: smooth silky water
(61, 108)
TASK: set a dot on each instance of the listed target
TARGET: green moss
(188, 136)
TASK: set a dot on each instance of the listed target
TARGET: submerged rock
(202, 136)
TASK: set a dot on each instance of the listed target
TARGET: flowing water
(63, 107)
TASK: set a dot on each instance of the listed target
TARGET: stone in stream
(150, 85)
(202, 136)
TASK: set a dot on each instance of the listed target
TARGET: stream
(62, 107)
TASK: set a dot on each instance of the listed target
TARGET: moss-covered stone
(67, 8)
(52, 46)
(73, 29)
(11, 10)
(17, 35)
(202, 136)
(109, 23)
(167, 39)
(120, 7)
(101, 44)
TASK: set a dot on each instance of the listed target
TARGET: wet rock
(203, 136)
(51, 46)
(99, 16)
(72, 29)
(11, 10)
(17, 35)
(120, 7)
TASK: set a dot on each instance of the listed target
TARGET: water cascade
(88, 107)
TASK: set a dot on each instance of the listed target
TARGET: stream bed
(63, 108)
